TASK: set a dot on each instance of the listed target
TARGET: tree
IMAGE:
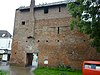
(86, 17)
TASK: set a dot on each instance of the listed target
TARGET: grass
(56, 71)
(3, 73)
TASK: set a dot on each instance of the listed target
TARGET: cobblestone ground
(13, 70)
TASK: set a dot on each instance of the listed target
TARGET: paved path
(13, 70)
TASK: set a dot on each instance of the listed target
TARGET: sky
(7, 11)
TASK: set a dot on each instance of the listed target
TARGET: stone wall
(22, 38)
(53, 38)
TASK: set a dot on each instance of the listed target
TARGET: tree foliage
(86, 17)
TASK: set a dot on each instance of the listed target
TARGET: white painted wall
(5, 43)
(2, 51)
(4, 57)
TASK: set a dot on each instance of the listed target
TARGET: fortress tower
(23, 40)
(44, 29)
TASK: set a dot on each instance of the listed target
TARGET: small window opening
(84, 40)
(46, 40)
(38, 41)
(57, 40)
(45, 10)
(9, 44)
(59, 9)
(23, 22)
(58, 30)
(15, 52)
(29, 37)
(3, 35)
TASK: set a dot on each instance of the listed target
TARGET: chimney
(32, 18)
(32, 4)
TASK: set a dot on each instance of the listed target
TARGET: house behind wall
(45, 30)
(5, 45)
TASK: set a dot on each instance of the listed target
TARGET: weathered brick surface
(53, 38)
(52, 13)
(69, 47)
(23, 35)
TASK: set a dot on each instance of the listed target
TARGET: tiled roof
(5, 34)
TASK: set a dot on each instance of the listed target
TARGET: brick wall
(53, 38)
(68, 47)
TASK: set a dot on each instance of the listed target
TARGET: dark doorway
(8, 57)
(1, 56)
(29, 59)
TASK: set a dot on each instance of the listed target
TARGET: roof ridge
(44, 4)
(48, 4)
(52, 3)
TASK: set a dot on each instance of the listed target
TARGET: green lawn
(48, 71)
(3, 73)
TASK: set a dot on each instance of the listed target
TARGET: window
(46, 40)
(3, 35)
(97, 67)
(57, 40)
(45, 10)
(92, 66)
(38, 41)
(87, 66)
(84, 40)
(9, 44)
(23, 22)
(58, 30)
(59, 9)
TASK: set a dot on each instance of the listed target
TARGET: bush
(2, 73)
